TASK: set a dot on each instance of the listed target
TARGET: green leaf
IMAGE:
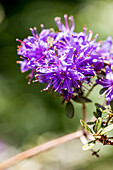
(100, 107)
(106, 129)
(90, 123)
(102, 90)
(69, 110)
(81, 99)
(98, 125)
(111, 104)
(86, 127)
(97, 114)
(88, 146)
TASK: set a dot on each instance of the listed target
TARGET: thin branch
(38, 149)
(110, 137)
(84, 111)
(91, 89)
(110, 116)
(84, 117)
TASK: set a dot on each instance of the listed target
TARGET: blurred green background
(29, 117)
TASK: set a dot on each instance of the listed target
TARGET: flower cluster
(105, 51)
(107, 84)
(63, 60)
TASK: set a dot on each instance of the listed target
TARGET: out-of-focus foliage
(26, 114)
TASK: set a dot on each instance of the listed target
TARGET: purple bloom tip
(107, 83)
(64, 60)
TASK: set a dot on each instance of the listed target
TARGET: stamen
(85, 29)
(32, 31)
(22, 42)
(46, 88)
(59, 24)
(41, 58)
(71, 24)
(18, 62)
(66, 23)
(96, 38)
(59, 85)
(35, 29)
(42, 26)
(83, 86)
(90, 34)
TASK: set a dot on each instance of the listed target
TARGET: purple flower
(105, 51)
(107, 84)
(63, 60)
(73, 61)
(34, 49)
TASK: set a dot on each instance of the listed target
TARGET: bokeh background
(29, 117)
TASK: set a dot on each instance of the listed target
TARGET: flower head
(107, 84)
(105, 51)
(34, 49)
(63, 60)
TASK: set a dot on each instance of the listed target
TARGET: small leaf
(86, 127)
(102, 90)
(97, 114)
(88, 146)
(100, 107)
(111, 104)
(111, 121)
(81, 99)
(106, 129)
(98, 125)
(90, 123)
(69, 110)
